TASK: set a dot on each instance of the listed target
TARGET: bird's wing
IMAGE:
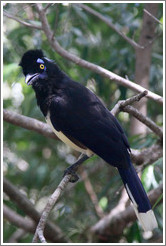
(90, 123)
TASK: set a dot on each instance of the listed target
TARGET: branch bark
(51, 202)
(143, 119)
(122, 104)
(19, 221)
(16, 236)
(53, 199)
(21, 21)
(152, 16)
(28, 123)
(147, 156)
(92, 194)
(109, 23)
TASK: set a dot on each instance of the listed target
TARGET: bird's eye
(41, 66)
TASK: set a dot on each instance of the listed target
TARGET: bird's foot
(71, 170)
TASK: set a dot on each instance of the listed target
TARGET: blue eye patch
(40, 61)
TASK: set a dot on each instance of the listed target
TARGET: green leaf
(103, 202)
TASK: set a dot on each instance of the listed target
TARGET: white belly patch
(66, 140)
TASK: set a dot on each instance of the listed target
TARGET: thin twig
(92, 194)
(147, 156)
(18, 220)
(21, 21)
(145, 120)
(122, 104)
(16, 236)
(47, 6)
(109, 23)
(126, 107)
(152, 16)
(51, 202)
(56, 21)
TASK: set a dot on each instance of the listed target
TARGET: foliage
(35, 163)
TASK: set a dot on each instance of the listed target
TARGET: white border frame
(163, 120)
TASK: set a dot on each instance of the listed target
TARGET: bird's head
(35, 66)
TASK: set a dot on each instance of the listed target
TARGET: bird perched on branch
(79, 119)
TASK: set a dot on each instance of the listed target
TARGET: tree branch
(109, 23)
(92, 194)
(124, 106)
(103, 72)
(152, 16)
(147, 156)
(52, 200)
(21, 21)
(19, 221)
(124, 103)
(47, 6)
(145, 120)
(28, 123)
(17, 235)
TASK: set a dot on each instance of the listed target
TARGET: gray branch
(110, 24)
(10, 16)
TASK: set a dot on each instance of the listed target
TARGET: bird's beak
(30, 78)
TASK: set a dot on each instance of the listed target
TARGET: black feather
(30, 56)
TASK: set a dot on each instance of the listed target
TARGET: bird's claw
(74, 177)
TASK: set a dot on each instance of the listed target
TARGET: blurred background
(34, 163)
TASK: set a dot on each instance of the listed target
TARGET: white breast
(66, 140)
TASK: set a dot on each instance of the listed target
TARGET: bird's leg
(73, 168)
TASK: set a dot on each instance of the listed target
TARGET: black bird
(79, 119)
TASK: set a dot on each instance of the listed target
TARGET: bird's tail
(138, 197)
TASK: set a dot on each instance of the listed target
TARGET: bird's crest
(30, 56)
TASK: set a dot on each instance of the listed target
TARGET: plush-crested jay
(79, 119)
